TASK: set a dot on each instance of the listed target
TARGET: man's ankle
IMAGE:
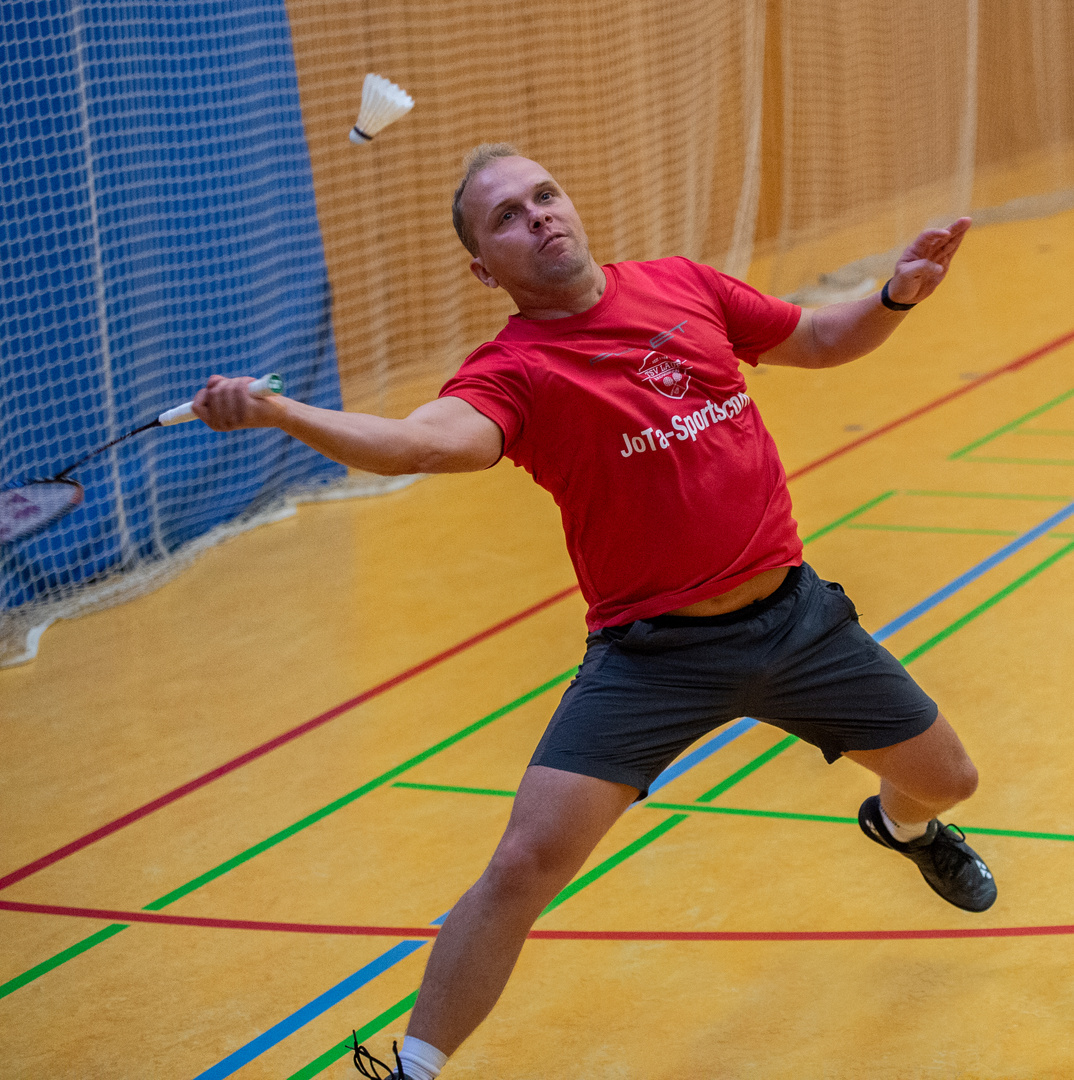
(420, 1060)
(904, 832)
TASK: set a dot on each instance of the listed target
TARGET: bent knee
(521, 868)
(954, 784)
(963, 781)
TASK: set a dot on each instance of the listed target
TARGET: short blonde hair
(477, 159)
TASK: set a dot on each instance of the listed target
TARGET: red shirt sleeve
(755, 322)
(494, 381)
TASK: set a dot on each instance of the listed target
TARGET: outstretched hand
(225, 405)
(924, 264)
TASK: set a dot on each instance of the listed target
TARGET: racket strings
(27, 508)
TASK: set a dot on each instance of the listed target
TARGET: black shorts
(797, 659)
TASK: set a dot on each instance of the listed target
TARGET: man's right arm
(446, 435)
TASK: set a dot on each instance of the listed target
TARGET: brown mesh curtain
(876, 117)
(649, 114)
(882, 119)
(1025, 141)
(828, 131)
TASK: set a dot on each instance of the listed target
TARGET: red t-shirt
(634, 415)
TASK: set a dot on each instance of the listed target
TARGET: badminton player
(619, 389)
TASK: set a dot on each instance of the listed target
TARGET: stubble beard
(569, 267)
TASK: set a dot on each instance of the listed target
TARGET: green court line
(456, 789)
(1020, 460)
(1025, 833)
(849, 517)
(934, 529)
(283, 834)
(613, 861)
(959, 532)
(957, 625)
(753, 766)
(848, 521)
(575, 887)
(684, 810)
(694, 808)
(60, 958)
(748, 813)
(988, 495)
(318, 1064)
(336, 1052)
(346, 800)
(970, 447)
(690, 808)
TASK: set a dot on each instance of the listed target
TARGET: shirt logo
(664, 374)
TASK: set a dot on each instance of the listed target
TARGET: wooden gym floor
(181, 892)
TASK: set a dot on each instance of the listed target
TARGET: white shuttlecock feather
(382, 102)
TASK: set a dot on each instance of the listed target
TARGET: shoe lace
(362, 1058)
(950, 857)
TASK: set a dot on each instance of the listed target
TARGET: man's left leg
(921, 778)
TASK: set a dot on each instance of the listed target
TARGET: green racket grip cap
(266, 385)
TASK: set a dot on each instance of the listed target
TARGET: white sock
(904, 833)
(420, 1060)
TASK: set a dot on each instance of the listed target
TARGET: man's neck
(571, 299)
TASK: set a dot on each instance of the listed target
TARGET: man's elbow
(449, 456)
(449, 460)
(450, 448)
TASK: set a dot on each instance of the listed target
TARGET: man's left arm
(838, 333)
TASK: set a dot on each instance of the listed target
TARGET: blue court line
(974, 573)
(309, 1012)
(290, 1024)
(695, 757)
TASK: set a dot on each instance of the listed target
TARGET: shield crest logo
(665, 374)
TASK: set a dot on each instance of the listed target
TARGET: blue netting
(157, 224)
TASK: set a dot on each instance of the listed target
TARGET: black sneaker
(950, 866)
(362, 1058)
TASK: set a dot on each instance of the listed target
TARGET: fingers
(955, 235)
(924, 264)
(931, 244)
(226, 405)
(939, 245)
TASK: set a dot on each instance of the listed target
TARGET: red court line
(279, 740)
(1014, 365)
(317, 721)
(111, 915)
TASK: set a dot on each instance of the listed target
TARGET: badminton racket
(32, 505)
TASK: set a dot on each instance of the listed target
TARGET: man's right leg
(556, 821)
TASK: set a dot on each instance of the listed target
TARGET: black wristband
(890, 304)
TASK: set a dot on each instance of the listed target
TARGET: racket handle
(263, 387)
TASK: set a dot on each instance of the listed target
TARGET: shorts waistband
(750, 611)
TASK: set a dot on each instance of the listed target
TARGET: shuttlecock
(382, 102)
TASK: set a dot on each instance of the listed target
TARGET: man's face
(528, 233)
